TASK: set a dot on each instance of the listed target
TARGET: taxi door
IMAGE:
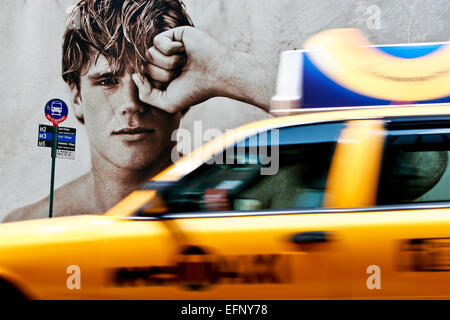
(397, 223)
(244, 235)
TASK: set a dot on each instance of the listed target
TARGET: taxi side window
(283, 168)
(415, 167)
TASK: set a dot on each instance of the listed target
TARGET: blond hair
(120, 30)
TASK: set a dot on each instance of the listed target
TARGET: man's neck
(111, 183)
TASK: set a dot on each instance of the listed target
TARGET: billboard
(109, 161)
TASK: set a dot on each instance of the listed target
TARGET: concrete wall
(30, 51)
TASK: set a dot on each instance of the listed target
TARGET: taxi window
(415, 167)
(280, 169)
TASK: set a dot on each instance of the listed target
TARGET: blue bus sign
(56, 111)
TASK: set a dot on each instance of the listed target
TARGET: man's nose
(130, 103)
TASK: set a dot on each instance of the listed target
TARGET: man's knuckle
(165, 76)
(151, 71)
(157, 38)
(152, 51)
(170, 64)
(143, 94)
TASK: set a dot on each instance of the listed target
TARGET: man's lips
(133, 134)
(137, 130)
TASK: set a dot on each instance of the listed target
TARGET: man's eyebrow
(101, 75)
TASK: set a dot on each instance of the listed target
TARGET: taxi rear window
(415, 165)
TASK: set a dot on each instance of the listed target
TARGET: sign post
(56, 112)
(52, 178)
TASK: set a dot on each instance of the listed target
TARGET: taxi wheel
(9, 292)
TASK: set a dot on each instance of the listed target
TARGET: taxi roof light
(341, 69)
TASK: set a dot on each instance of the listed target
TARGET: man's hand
(164, 67)
(201, 68)
(197, 80)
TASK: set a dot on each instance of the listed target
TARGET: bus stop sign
(56, 111)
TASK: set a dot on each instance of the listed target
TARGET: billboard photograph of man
(133, 69)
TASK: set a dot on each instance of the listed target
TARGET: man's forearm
(211, 70)
(247, 78)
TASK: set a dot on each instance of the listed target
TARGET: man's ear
(77, 104)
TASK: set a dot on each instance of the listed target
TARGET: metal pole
(52, 178)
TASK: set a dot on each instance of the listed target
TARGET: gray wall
(30, 52)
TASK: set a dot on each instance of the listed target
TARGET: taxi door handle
(310, 237)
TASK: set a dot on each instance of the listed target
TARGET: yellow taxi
(330, 204)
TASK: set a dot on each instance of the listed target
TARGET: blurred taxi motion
(355, 73)
(354, 182)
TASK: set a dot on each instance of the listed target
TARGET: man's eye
(108, 82)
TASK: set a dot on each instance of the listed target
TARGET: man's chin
(142, 163)
(148, 160)
(134, 165)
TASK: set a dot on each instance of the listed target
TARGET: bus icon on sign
(56, 111)
(56, 108)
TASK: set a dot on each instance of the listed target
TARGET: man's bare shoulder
(73, 198)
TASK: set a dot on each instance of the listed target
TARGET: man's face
(123, 130)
